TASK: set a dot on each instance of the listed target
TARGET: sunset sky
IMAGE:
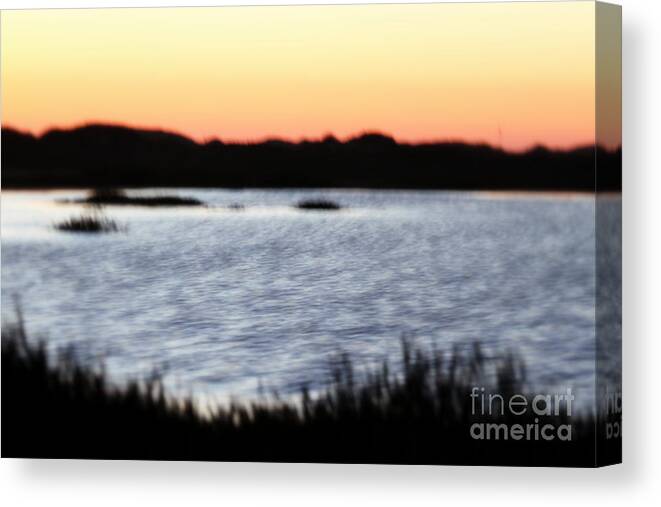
(514, 74)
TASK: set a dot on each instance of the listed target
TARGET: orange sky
(511, 74)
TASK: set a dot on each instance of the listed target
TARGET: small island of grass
(88, 224)
(318, 204)
(116, 197)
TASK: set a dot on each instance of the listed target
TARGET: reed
(93, 223)
(417, 412)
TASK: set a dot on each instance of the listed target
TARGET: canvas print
(329, 233)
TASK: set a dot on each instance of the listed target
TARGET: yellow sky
(514, 74)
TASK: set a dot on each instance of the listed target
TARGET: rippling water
(224, 300)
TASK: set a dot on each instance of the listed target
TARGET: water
(223, 301)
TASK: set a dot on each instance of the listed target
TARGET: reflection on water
(224, 299)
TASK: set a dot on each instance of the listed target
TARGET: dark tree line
(114, 156)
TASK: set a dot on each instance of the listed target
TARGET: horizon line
(295, 141)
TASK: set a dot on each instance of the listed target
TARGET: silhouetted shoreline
(61, 408)
(115, 156)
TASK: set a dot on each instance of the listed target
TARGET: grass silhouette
(318, 204)
(61, 408)
(88, 224)
(117, 197)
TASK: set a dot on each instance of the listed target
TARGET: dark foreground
(62, 409)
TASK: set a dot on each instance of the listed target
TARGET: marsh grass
(118, 197)
(318, 204)
(417, 413)
(91, 223)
